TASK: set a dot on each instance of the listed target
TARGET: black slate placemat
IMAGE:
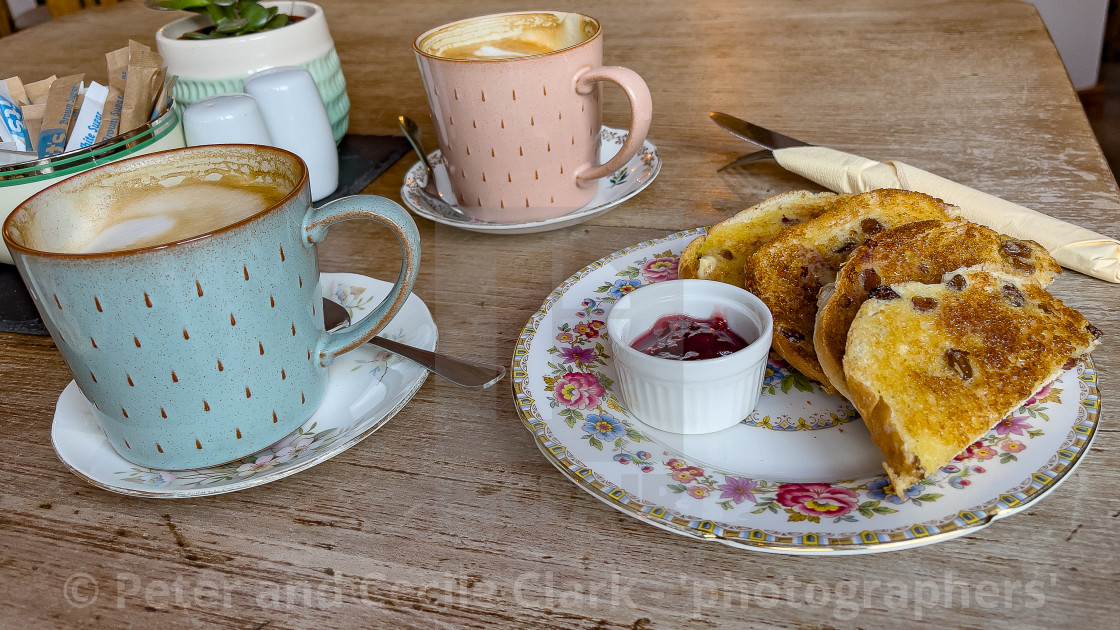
(17, 310)
(360, 160)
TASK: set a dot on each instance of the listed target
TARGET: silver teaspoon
(412, 134)
(460, 372)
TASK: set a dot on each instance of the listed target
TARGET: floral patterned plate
(800, 475)
(627, 182)
(365, 388)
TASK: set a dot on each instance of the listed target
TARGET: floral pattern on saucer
(848, 501)
(337, 425)
(626, 182)
(588, 433)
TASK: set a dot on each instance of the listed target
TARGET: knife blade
(750, 158)
(754, 134)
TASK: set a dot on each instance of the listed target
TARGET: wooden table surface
(449, 516)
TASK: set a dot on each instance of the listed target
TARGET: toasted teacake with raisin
(788, 272)
(719, 255)
(933, 367)
(922, 252)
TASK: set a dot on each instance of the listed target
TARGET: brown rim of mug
(9, 240)
(416, 42)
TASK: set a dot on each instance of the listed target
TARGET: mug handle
(315, 225)
(641, 113)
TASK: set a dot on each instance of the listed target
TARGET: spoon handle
(459, 372)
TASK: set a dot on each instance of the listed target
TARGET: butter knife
(770, 140)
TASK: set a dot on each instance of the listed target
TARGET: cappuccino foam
(509, 36)
(505, 48)
(159, 215)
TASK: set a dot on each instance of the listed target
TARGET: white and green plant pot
(207, 67)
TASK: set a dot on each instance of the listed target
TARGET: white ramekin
(699, 396)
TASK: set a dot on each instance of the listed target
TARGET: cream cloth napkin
(1073, 247)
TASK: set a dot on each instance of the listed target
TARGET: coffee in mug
(516, 99)
(519, 35)
(182, 289)
(152, 214)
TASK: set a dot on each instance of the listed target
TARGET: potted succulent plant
(225, 41)
(230, 17)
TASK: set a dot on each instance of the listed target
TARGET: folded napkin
(1073, 247)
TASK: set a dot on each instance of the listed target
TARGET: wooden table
(449, 515)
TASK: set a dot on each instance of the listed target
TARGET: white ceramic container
(296, 121)
(699, 396)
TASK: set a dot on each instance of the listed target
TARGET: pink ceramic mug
(516, 100)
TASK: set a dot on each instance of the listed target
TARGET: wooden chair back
(59, 8)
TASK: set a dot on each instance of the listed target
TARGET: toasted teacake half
(922, 252)
(788, 272)
(933, 367)
(720, 254)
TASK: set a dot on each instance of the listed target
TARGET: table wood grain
(449, 516)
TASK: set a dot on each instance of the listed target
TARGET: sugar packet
(59, 112)
(144, 70)
(18, 92)
(117, 62)
(37, 91)
(77, 108)
(33, 121)
(88, 120)
(163, 101)
(11, 120)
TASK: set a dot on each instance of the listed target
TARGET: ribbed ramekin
(699, 396)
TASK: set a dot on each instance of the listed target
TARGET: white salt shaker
(297, 120)
(225, 119)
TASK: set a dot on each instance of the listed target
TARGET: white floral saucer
(365, 388)
(800, 475)
(627, 182)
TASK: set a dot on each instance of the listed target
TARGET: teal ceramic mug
(182, 289)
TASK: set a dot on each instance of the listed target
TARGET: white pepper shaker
(297, 120)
